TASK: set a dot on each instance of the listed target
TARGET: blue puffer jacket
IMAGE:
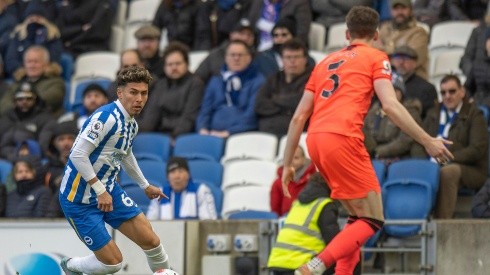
(231, 111)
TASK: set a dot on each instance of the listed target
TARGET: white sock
(157, 258)
(91, 265)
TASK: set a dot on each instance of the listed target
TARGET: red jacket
(281, 204)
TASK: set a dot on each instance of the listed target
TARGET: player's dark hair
(450, 77)
(176, 47)
(133, 74)
(362, 22)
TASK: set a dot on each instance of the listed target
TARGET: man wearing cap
(148, 42)
(188, 199)
(404, 59)
(213, 63)
(24, 122)
(34, 30)
(43, 76)
(462, 122)
(382, 138)
(269, 61)
(402, 30)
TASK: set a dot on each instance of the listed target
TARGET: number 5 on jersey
(334, 77)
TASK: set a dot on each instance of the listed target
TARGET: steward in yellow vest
(310, 225)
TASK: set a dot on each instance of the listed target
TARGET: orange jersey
(343, 88)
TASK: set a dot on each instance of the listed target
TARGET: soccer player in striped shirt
(89, 194)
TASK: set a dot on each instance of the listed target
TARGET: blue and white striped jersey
(111, 129)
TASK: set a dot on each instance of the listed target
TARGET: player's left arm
(130, 165)
(296, 126)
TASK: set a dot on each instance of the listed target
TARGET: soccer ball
(165, 272)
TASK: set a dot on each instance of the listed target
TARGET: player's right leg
(87, 221)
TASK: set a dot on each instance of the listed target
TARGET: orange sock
(346, 265)
(349, 240)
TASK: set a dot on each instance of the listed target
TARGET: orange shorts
(344, 163)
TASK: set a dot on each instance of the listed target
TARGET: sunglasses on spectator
(449, 91)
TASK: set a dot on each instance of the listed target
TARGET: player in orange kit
(337, 96)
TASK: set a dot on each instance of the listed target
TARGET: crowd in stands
(251, 80)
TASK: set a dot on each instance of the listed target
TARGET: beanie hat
(68, 127)
(35, 8)
(287, 23)
(177, 162)
(94, 87)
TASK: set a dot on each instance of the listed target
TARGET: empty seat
(195, 147)
(245, 198)
(154, 146)
(446, 62)
(380, 169)
(210, 172)
(195, 59)
(250, 145)
(317, 55)
(336, 37)
(249, 173)
(97, 64)
(460, 34)
(153, 170)
(142, 10)
(116, 42)
(316, 36)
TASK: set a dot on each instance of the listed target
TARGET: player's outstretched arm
(436, 147)
(296, 126)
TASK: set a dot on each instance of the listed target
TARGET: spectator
(269, 61)
(404, 59)
(264, 14)
(85, 25)
(63, 138)
(23, 123)
(128, 58)
(429, 11)
(31, 197)
(18, 9)
(476, 47)
(330, 12)
(480, 206)
(216, 19)
(7, 24)
(3, 199)
(175, 100)
(382, 138)
(148, 41)
(303, 168)
(212, 64)
(461, 122)
(179, 18)
(43, 77)
(188, 199)
(312, 212)
(478, 79)
(473, 10)
(277, 99)
(34, 30)
(4, 85)
(94, 96)
(229, 99)
(402, 30)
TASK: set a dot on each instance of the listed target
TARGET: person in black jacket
(85, 26)
(31, 197)
(175, 99)
(480, 206)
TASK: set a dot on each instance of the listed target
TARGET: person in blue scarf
(188, 199)
(229, 98)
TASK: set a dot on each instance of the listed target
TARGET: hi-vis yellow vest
(300, 239)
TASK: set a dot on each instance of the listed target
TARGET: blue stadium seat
(206, 171)
(253, 215)
(5, 169)
(380, 169)
(154, 146)
(195, 146)
(153, 170)
(409, 192)
(485, 111)
(67, 64)
(138, 196)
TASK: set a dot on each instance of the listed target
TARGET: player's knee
(152, 242)
(375, 224)
(109, 269)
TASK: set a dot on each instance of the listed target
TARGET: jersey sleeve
(98, 127)
(310, 85)
(381, 66)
